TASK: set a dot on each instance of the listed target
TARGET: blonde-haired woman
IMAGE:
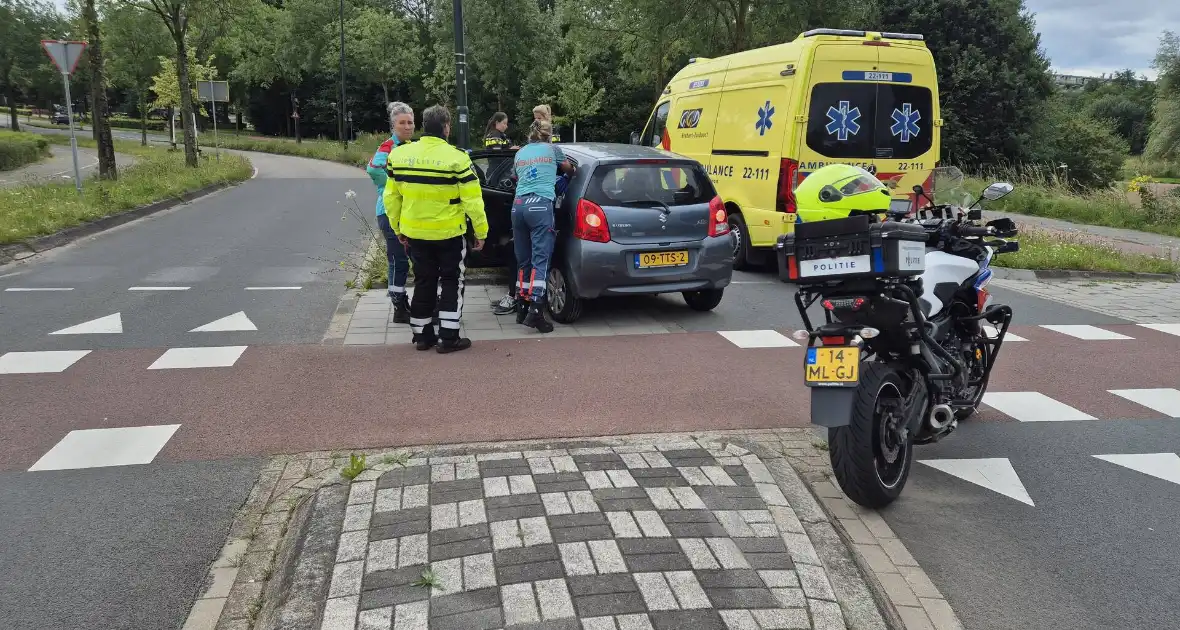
(533, 229)
(543, 112)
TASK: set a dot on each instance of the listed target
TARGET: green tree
(576, 96)
(1164, 140)
(993, 79)
(23, 24)
(136, 41)
(384, 48)
(169, 96)
(1089, 149)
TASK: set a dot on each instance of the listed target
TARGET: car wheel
(741, 247)
(706, 300)
(564, 306)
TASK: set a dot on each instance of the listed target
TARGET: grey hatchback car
(633, 221)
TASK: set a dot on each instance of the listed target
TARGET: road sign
(65, 55)
(216, 91)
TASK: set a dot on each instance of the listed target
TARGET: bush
(357, 153)
(18, 149)
(1156, 169)
(1040, 249)
(1092, 153)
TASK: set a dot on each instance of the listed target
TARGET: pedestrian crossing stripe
(111, 324)
(998, 475)
(230, 323)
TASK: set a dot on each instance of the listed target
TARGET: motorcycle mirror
(1009, 247)
(975, 215)
(997, 190)
(634, 137)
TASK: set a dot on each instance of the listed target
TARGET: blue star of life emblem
(905, 122)
(765, 113)
(843, 121)
(533, 173)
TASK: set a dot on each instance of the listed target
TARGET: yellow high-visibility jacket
(432, 189)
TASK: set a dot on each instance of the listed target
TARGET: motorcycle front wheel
(872, 455)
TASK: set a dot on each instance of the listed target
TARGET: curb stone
(19, 251)
(874, 547)
(311, 488)
(292, 598)
(1006, 273)
(862, 598)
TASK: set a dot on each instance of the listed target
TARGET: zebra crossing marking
(204, 357)
(1086, 332)
(40, 362)
(100, 448)
(111, 324)
(994, 473)
(1033, 407)
(757, 339)
(1164, 466)
(1164, 400)
(230, 323)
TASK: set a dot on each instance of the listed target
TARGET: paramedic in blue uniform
(533, 229)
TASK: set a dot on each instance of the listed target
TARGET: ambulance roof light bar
(833, 31)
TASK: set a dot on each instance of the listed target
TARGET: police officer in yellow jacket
(431, 193)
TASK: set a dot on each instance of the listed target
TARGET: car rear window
(870, 120)
(671, 184)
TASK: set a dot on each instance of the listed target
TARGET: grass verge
(1111, 207)
(1041, 250)
(40, 209)
(18, 149)
(356, 154)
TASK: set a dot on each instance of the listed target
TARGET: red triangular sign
(65, 54)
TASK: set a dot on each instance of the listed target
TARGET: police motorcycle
(905, 352)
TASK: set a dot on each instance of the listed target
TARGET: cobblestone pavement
(656, 531)
(1139, 302)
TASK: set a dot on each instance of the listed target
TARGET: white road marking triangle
(1164, 466)
(237, 321)
(995, 474)
(110, 324)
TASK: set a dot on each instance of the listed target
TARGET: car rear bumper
(603, 269)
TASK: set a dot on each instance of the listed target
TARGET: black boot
(446, 346)
(401, 308)
(522, 309)
(426, 339)
(536, 317)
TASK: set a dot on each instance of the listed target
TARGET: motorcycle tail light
(981, 297)
(834, 341)
(852, 304)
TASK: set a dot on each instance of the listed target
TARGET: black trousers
(437, 263)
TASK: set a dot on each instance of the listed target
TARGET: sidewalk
(1130, 241)
(704, 531)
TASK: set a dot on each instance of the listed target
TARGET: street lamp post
(461, 77)
(342, 104)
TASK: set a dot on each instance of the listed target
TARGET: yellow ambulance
(761, 120)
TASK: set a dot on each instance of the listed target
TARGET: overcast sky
(1097, 36)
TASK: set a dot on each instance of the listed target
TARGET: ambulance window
(904, 127)
(655, 127)
(840, 122)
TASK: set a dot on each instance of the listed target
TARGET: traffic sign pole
(65, 55)
(73, 139)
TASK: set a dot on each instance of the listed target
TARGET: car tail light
(590, 223)
(788, 178)
(718, 218)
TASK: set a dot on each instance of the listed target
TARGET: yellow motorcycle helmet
(837, 190)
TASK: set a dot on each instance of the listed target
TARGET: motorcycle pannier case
(851, 248)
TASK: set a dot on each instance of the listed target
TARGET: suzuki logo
(663, 218)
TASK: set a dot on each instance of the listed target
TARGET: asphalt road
(281, 232)
(108, 548)
(1097, 550)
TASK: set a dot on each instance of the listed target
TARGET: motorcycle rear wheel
(870, 458)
